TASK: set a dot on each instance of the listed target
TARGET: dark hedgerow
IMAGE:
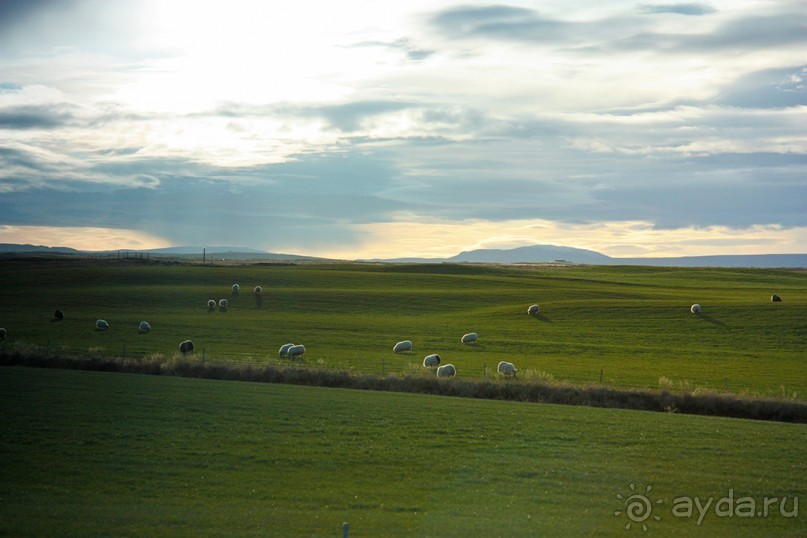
(711, 403)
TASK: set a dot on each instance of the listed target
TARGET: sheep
(101, 325)
(295, 351)
(144, 327)
(284, 350)
(211, 304)
(223, 303)
(533, 309)
(430, 361)
(58, 315)
(2, 334)
(236, 287)
(446, 370)
(402, 346)
(776, 299)
(469, 338)
(186, 347)
(258, 290)
(695, 309)
(506, 369)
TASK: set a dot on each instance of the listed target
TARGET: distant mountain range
(528, 254)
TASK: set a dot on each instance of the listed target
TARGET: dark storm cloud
(680, 9)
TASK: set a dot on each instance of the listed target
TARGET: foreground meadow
(623, 327)
(103, 454)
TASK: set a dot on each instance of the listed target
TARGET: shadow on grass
(710, 319)
(541, 317)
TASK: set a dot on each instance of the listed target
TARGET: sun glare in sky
(388, 129)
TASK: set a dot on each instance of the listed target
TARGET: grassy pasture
(631, 323)
(101, 454)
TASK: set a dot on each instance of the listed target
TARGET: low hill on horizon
(526, 254)
(560, 254)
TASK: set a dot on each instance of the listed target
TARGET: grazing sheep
(430, 361)
(144, 327)
(446, 370)
(506, 369)
(223, 303)
(295, 351)
(101, 325)
(211, 304)
(236, 287)
(2, 334)
(469, 338)
(58, 315)
(284, 350)
(402, 346)
(533, 309)
(776, 299)
(186, 347)
(696, 308)
(258, 290)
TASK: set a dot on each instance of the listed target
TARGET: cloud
(81, 238)
(403, 45)
(411, 235)
(499, 22)
(33, 117)
(680, 9)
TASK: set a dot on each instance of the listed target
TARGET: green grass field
(90, 453)
(103, 454)
(630, 326)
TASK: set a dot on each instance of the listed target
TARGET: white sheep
(446, 370)
(258, 290)
(144, 327)
(296, 351)
(695, 309)
(284, 349)
(186, 347)
(101, 325)
(775, 298)
(223, 303)
(430, 361)
(402, 346)
(533, 309)
(469, 338)
(211, 303)
(236, 287)
(506, 369)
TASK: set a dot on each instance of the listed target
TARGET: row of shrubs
(535, 391)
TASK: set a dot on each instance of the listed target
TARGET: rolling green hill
(624, 326)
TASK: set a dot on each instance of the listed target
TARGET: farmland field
(106, 454)
(621, 326)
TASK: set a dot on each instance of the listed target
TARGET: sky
(371, 129)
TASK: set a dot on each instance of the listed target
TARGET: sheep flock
(432, 361)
